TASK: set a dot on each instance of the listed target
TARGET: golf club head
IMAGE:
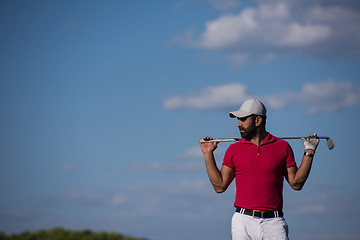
(330, 143)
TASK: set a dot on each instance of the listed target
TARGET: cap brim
(239, 114)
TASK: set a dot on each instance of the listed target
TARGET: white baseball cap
(250, 106)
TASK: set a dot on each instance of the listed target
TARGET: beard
(249, 132)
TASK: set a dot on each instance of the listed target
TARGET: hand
(208, 146)
(311, 142)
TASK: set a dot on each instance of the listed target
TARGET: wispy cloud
(344, 236)
(193, 201)
(16, 216)
(185, 166)
(224, 4)
(317, 97)
(312, 209)
(191, 160)
(325, 96)
(194, 152)
(68, 166)
(155, 199)
(323, 204)
(219, 5)
(76, 195)
(279, 28)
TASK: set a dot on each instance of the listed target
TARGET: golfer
(259, 162)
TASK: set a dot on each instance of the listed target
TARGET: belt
(259, 214)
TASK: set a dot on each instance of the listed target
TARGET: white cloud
(327, 96)
(326, 30)
(209, 98)
(296, 32)
(228, 30)
(269, 26)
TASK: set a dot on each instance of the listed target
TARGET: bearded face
(248, 129)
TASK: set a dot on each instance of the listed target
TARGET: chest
(259, 160)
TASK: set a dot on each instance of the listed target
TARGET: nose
(239, 123)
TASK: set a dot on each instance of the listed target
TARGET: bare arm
(297, 177)
(220, 179)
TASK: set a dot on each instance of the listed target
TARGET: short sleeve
(290, 159)
(228, 158)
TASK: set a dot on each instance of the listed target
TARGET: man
(259, 162)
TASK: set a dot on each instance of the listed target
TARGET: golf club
(330, 143)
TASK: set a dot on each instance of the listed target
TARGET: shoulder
(284, 147)
(279, 142)
(235, 147)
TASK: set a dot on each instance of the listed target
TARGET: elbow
(219, 189)
(297, 187)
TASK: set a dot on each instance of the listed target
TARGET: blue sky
(102, 105)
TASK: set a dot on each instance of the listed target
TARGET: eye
(243, 119)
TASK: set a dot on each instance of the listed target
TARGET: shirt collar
(269, 139)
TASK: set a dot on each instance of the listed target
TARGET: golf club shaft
(330, 143)
(238, 139)
(303, 137)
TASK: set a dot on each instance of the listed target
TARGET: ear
(258, 121)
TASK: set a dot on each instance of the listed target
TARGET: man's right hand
(208, 147)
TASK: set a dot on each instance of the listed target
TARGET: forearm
(303, 171)
(213, 172)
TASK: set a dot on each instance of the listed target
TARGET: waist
(259, 214)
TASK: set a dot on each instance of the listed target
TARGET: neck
(260, 137)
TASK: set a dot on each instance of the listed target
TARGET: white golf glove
(311, 142)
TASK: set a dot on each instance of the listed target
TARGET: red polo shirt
(259, 172)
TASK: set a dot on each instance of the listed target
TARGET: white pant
(245, 227)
